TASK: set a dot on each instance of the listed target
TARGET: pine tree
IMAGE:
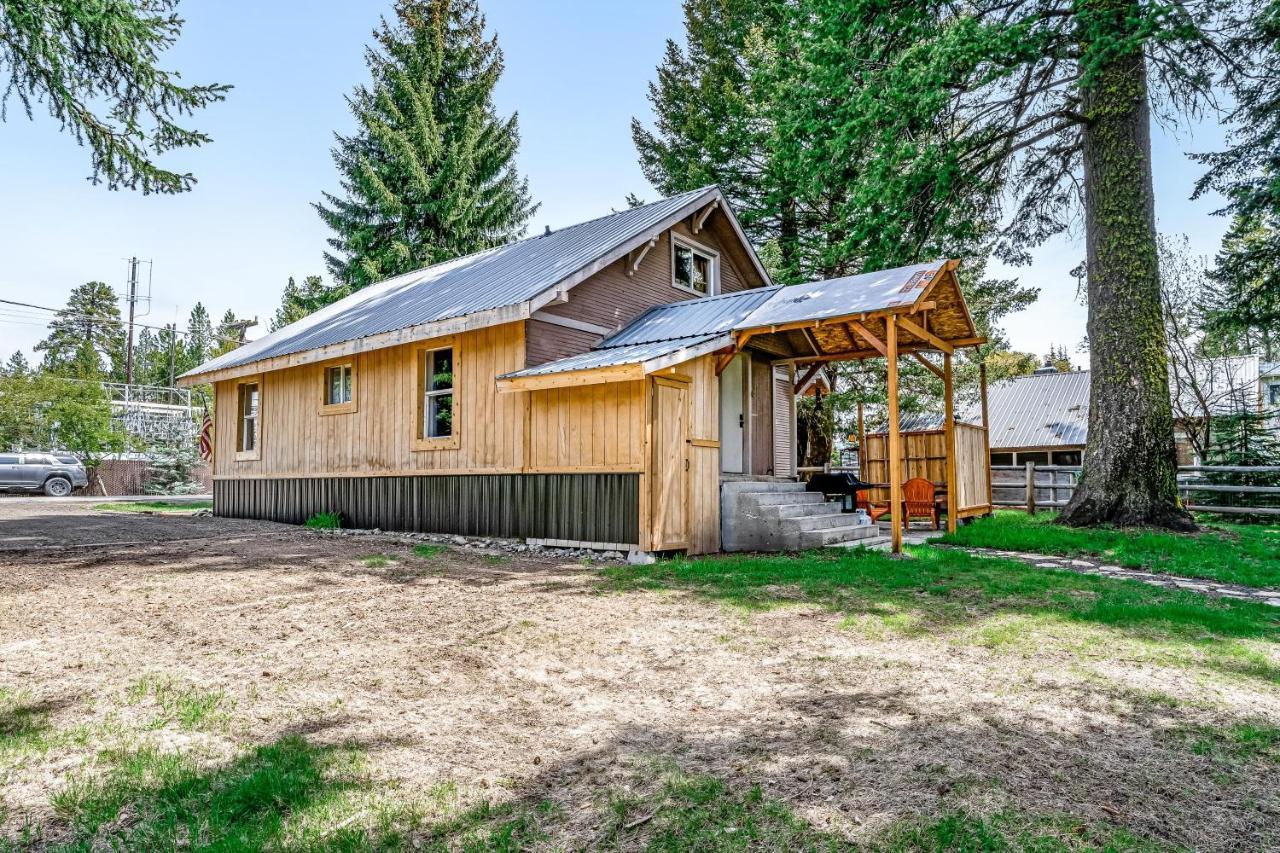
(200, 340)
(299, 300)
(430, 173)
(96, 68)
(17, 365)
(86, 338)
(228, 334)
(1242, 309)
(1245, 438)
(171, 469)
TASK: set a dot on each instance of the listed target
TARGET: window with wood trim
(694, 268)
(436, 376)
(248, 416)
(339, 384)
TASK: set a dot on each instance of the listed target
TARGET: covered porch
(911, 311)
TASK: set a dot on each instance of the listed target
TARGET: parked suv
(55, 474)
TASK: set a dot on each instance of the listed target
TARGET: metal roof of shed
(679, 349)
(504, 276)
(706, 316)
(840, 297)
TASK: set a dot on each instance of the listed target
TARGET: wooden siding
(590, 427)
(925, 455)
(611, 298)
(580, 507)
(704, 456)
(549, 342)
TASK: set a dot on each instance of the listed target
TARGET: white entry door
(732, 415)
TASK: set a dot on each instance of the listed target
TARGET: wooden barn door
(669, 498)
(784, 415)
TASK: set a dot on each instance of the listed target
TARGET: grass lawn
(1247, 554)
(153, 506)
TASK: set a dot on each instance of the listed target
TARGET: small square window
(437, 393)
(1274, 397)
(337, 385)
(693, 270)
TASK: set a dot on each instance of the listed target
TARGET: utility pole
(133, 301)
(173, 335)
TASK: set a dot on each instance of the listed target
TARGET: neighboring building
(1269, 388)
(590, 385)
(1041, 418)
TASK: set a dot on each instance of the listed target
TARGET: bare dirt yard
(169, 681)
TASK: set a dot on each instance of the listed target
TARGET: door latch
(742, 421)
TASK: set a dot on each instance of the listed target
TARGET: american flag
(206, 437)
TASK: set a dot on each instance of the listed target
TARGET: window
(339, 393)
(38, 459)
(1066, 457)
(693, 268)
(8, 459)
(248, 407)
(436, 381)
(1001, 458)
(1273, 394)
(1039, 457)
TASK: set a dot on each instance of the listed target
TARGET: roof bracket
(700, 217)
(635, 256)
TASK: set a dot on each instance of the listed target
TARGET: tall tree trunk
(1130, 465)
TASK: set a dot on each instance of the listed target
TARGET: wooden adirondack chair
(876, 511)
(919, 496)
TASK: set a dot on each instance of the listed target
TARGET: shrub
(325, 521)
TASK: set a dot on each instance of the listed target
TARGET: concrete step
(820, 522)
(791, 510)
(870, 543)
(763, 499)
(822, 538)
(739, 487)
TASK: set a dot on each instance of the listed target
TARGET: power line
(109, 321)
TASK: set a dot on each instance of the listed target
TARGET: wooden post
(1031, 488)
(862, 445)
(949, 437)
(895, 437)
(986, 433)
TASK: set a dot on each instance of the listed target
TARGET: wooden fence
(1034, 486)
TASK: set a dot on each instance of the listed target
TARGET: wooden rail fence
(1033, 486)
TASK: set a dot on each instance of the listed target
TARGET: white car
(55, 474)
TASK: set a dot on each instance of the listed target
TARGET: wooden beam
(986, 428)
(949, 428)
(862, 355)
(572, 378)
(895, 440)
(723, 359)
(701, 216)
(865, 333)
(635, 256)
(932, 367)
(926, 335)
(809, 374)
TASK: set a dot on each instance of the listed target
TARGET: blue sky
(575, 71)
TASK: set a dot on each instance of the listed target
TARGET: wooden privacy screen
(925, 455)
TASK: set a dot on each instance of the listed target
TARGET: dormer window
(694, 268)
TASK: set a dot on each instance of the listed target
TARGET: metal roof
(705, 316)
(1040, 410)
(505, 276)
(840, 297)
(634, 353)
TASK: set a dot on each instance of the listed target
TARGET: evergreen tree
(200, 339)
(299, 300)
(1244, 438)
(86, 338)
(96, 68)
(229, 334)
(17, 365)
(172, 464)
(430, 173)
(1242, 310)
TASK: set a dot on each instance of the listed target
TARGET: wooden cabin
(593, 385)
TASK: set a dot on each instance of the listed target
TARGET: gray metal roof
(1040, 410)
(634, 353)
(838, 297)
(504, 276)
(705, 316)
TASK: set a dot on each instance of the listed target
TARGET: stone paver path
(1090, 567)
